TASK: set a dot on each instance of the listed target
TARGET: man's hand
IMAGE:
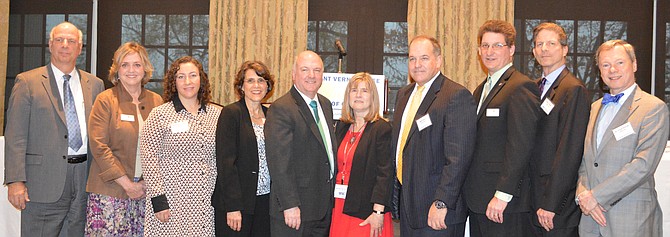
(495, 209)
(292, 217)
(591, 207)
(17, 194)
(546, 219)
(163, 216)
(436, 217)
(234, 220)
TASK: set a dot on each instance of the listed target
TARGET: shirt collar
(178, 106)
(551, 78)
(306, 98)
(429, 83)
(627, 93)
(495, 77)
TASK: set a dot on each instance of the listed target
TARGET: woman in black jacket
(365, 164)
(241, 196)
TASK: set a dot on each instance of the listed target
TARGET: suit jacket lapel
(328, 114)
(425, 104)
(627, 108)
(51, 86)
(593, 137)
(552, 90)
(86, 92)
(496, 88)
(306, 114)
(403, 98)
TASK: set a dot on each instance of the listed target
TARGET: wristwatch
(440, 204)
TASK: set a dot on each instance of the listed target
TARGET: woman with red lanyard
(365, 167)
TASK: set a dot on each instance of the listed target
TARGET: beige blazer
(113, 139)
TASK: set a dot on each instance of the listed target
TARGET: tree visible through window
(168, 37)
(584, 37)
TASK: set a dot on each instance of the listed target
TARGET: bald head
(308, 73)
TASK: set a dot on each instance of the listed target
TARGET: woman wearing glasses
(241, 197)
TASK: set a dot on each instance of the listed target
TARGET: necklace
(356, 134)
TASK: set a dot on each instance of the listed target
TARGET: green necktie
(323, 135)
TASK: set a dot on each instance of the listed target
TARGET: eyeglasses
(495, 46)
(63, 40)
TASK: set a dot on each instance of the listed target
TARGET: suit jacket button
(64, 157)
(65, 136)
(595, 164)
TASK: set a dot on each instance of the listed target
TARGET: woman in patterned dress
(178, 155)
(242, 194)
(365, 166)
(116, 192)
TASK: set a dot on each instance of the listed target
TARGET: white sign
(334, 85)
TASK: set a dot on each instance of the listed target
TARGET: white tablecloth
(10, 218)
(662, 176)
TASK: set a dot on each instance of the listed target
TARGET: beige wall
(4, 29)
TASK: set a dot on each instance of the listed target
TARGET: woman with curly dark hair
(178, 155)
(242, 194)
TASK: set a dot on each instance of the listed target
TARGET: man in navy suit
(559, 141)
(434, 134)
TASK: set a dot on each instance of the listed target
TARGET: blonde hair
(123, 51)
(373, 113)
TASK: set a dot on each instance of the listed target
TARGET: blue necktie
(611, 99)
(71, 118)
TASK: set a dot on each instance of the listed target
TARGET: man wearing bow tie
(625, 139)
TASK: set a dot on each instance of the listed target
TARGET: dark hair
(261, 71)
(170, 86)
(498, 26)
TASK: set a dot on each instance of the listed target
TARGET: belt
(76, 159)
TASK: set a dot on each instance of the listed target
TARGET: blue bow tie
(611, 99)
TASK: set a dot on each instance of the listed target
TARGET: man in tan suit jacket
(625, 139)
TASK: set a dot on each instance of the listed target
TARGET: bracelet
(378, 212)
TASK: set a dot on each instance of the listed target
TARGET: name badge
(181, 126)
(547, 106)
(128, 117)
(623, 131)
(493, 112)
(341, 191)
(424, 122)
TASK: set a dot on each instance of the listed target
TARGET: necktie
(541, 84)
(485, 92)
(323, 135)
(407, 125)
(71, 118)
(608, 98)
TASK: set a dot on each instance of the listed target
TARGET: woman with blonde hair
(365, 166)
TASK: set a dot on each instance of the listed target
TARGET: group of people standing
(520, 157)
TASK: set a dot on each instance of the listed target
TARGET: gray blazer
(621, 173)
(36, 133)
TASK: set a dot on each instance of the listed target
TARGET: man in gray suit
(300, 147)
(46, 141)
(625, 139)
